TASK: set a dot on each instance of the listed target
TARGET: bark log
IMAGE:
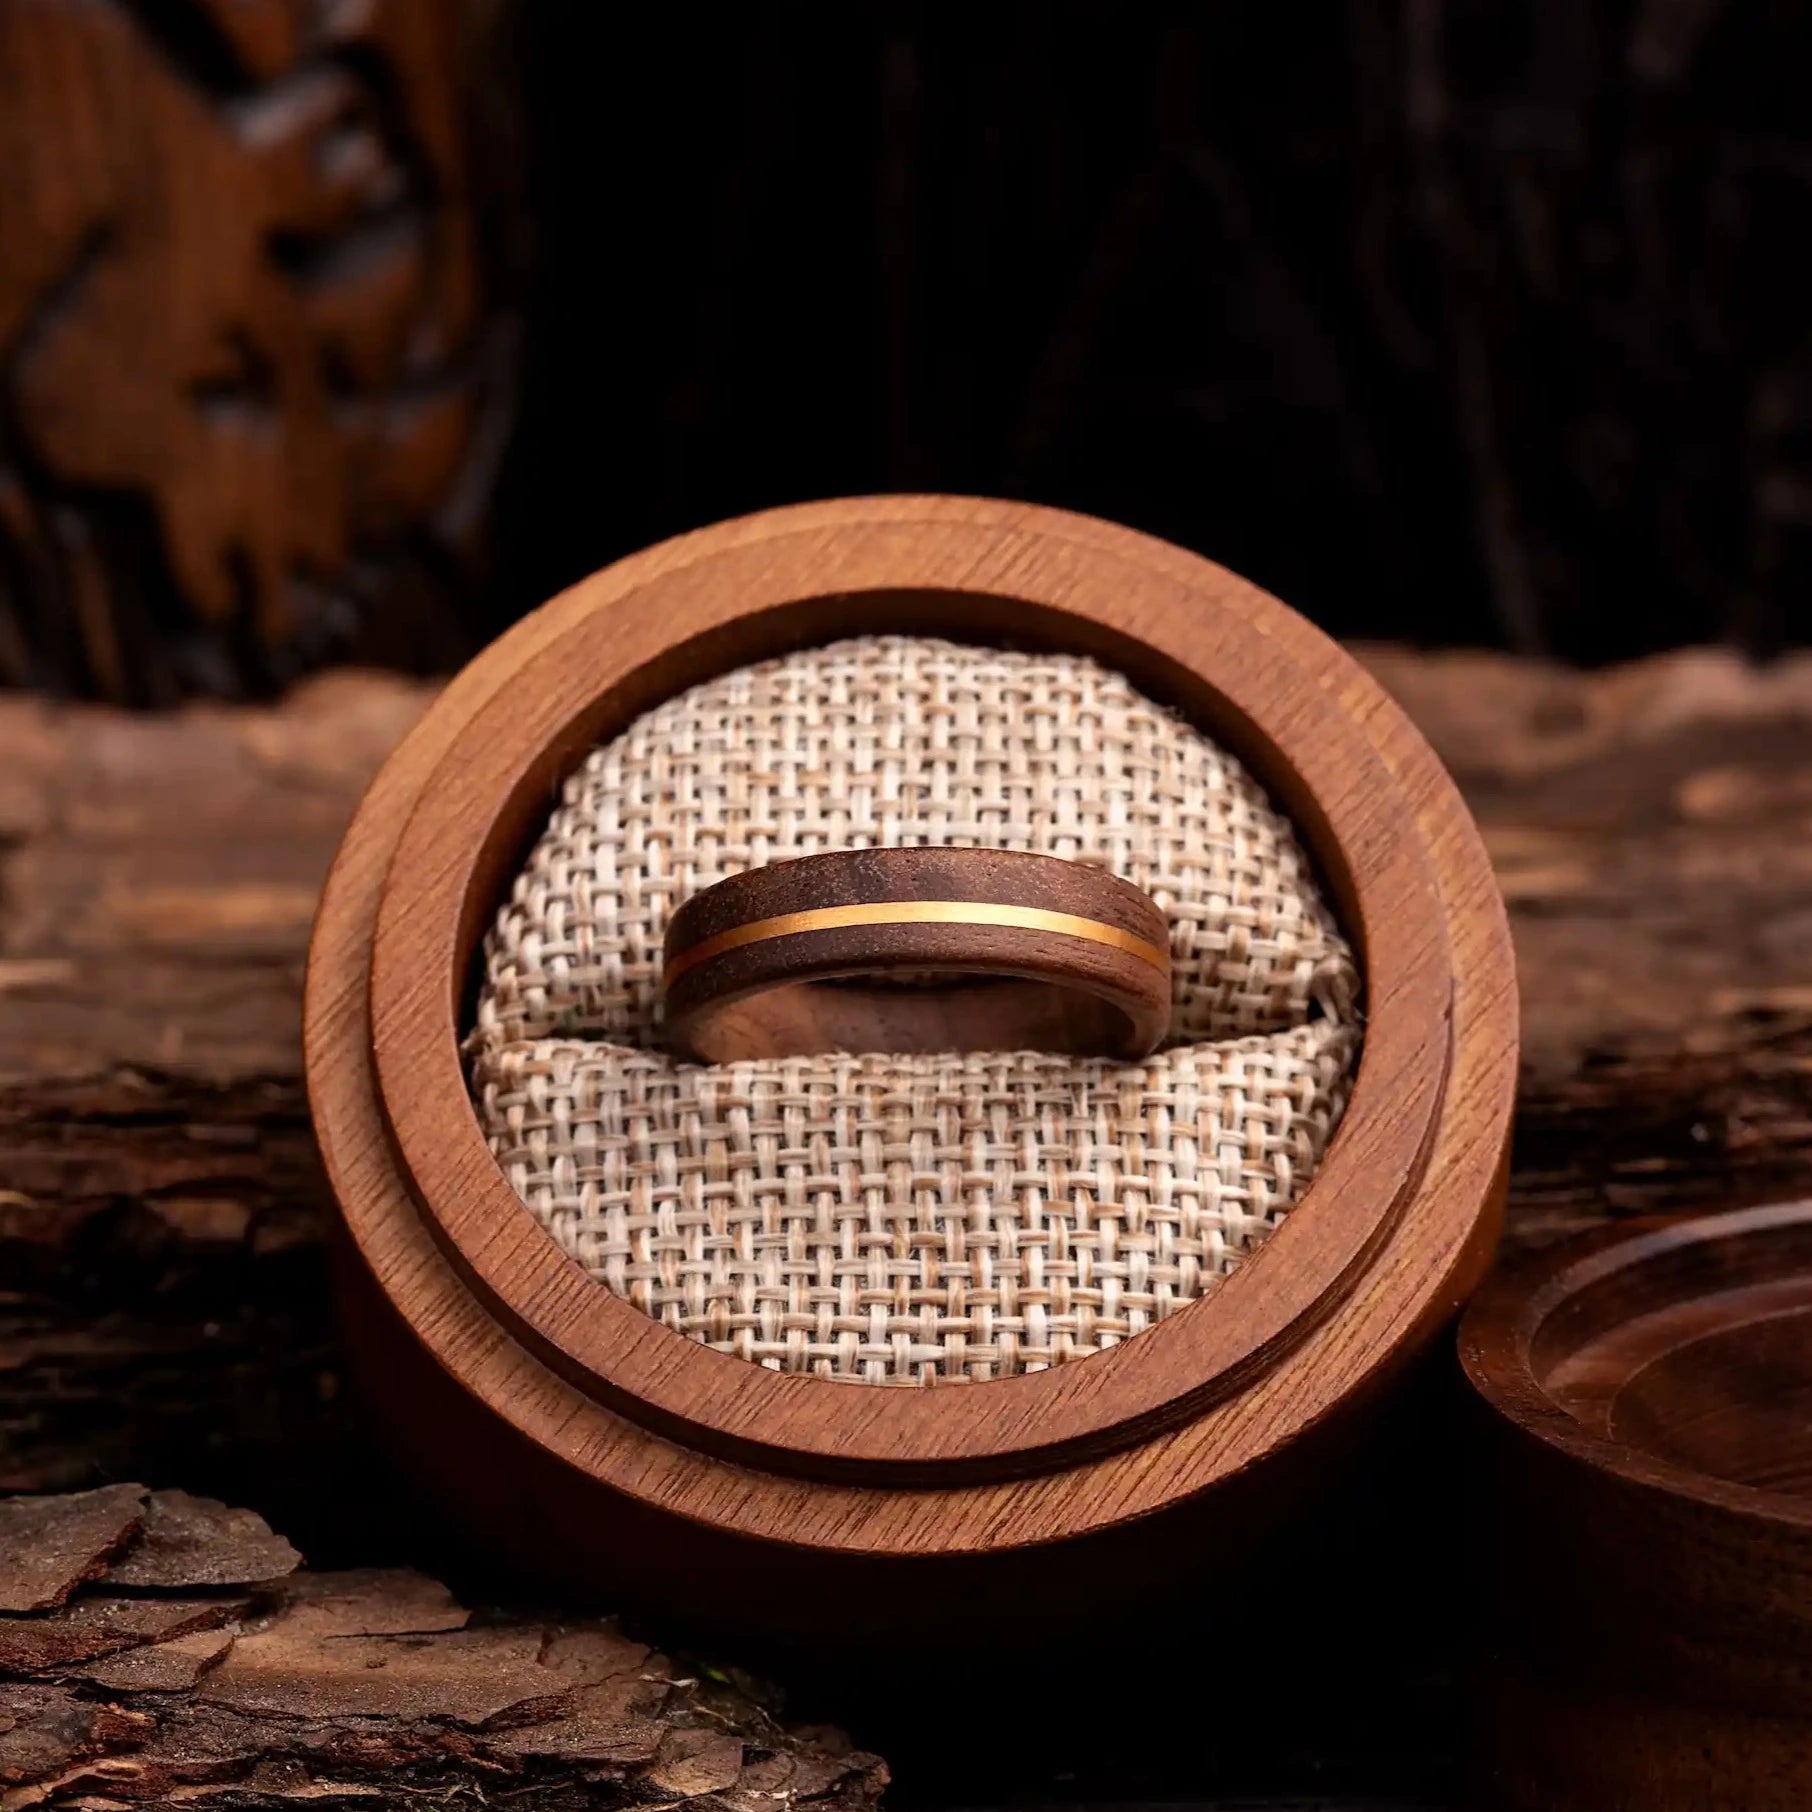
(372, 1687)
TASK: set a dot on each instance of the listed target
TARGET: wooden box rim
(1503, 1322)
(1400, 1219)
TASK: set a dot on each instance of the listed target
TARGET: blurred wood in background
(250, 394)
(1473, 324)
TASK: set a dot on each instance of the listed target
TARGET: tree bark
(239, 1681)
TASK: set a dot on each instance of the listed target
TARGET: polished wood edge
(1501, 1324)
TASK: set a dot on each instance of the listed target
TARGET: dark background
(1478, 322)
(1465, 324)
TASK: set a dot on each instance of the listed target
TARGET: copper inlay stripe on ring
(916, 912)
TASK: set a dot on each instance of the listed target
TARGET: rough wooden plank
(160, 878)
(163, 1296)
(1650, 829)
(376, 1687)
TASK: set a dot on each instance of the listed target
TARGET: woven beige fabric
(880, 1218)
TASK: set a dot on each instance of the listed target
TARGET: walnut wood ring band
(917, 950)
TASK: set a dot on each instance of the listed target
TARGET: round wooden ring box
(1651, 1580)
(568, 1430)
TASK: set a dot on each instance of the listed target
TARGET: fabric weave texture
(881, 1218)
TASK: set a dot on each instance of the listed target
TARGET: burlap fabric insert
(888, 1219)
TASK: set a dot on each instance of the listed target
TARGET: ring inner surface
(894, 1205)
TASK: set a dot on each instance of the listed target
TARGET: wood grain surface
(1650, 1432)
(917, 950)
(162, 1215)
(255, 378)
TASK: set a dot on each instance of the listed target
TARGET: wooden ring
(917, 950)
